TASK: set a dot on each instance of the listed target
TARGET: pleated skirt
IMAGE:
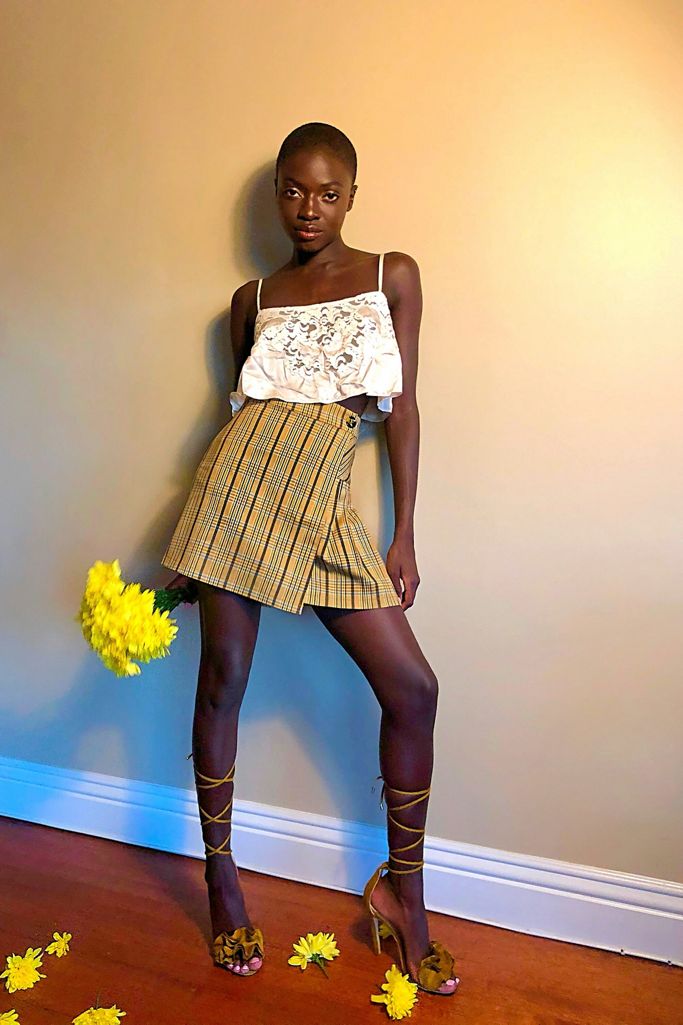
(269, 512)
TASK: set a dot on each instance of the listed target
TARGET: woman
(327, 340)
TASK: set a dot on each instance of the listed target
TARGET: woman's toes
(239, 968)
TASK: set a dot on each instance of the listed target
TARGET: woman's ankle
(408, 887)
(220, 866)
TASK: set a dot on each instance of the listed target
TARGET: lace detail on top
(325, 352)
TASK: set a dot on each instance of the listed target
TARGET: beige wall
(529, 155)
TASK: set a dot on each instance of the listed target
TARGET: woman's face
(314, 193)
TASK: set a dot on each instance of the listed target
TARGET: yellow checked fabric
(269, 512)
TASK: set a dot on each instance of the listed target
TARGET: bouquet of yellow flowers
(122, 622)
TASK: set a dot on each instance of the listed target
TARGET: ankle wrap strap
(415, 865)
(209, 784)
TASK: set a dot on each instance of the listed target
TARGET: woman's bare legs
(382, 644)
(229, 628)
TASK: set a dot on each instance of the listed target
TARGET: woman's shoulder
(401, 263)
(243, 297)
(401, 276)
(400, 271)
(391, 259)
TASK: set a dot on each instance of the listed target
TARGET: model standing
(329, 339)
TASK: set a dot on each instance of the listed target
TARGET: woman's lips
(307, 235)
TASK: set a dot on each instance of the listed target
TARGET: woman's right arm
(242, 317)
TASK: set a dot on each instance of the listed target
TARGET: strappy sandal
(246, 941)
(438, 965)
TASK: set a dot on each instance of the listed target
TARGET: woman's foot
(406, 912)
(227, 906)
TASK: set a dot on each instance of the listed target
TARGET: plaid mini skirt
(269, 512)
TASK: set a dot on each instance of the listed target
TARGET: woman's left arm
(402, 426)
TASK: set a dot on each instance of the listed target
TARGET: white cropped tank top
(324, 352)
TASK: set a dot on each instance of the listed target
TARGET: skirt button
(351, 421)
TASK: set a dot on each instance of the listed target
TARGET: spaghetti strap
(379, 279)
(258, 296)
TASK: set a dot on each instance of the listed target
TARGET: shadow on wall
(301, 680)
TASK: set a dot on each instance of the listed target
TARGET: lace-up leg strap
(209, 783)
(422, 794)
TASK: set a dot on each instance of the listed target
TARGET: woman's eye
(292, 191)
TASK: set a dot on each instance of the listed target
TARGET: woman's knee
(416, 693)
(223, 677)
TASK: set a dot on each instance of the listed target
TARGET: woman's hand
(401, 566)
(180, 580)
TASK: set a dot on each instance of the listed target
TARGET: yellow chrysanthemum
(9, 1018)
(384, 930)
(314, 949)
(120, 621)
(400, 994)
(59, 945)
(99, 1016)
(22, 970)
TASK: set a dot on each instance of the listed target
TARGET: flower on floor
(314, 949)
(22, 970)
(400, 994)
(99, 1016)
(59, 945)
(9, 1018)
(123, 621)
(384, 930)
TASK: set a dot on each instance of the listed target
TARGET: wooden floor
(140, 928)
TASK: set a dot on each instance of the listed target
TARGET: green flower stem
(167, 599)
(318, 959)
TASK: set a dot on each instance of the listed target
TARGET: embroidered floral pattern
(330, 342)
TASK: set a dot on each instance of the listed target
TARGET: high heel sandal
(438, 965)
(246, 941)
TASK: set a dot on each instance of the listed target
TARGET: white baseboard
(576, 903)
